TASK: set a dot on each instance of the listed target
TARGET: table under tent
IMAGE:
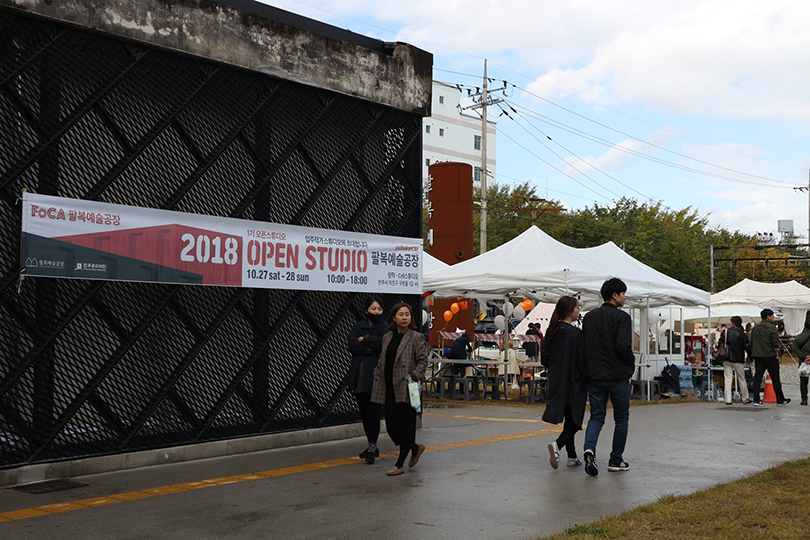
(537, 266)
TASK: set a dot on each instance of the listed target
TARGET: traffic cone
(770, 395)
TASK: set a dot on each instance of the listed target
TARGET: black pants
(566, 438)
(803, 386)
(370, 413)
(771, 365)
(400, 421)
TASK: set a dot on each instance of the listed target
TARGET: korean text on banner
(72, 238)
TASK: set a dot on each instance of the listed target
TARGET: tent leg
(709, 336)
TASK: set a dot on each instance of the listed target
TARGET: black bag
(671, 376)
(722, 350)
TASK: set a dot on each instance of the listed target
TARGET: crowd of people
(592, 365)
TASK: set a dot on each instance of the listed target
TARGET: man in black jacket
(610, 363)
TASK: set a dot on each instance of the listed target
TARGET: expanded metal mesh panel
(91, 368)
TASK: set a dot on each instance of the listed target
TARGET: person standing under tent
(801, 344)
(735, 340)
(609, 364)
(532, 347)
(765, 346)
(563, 354)
(365, 344)
(404, 352)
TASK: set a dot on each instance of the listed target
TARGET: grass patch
(767, 505)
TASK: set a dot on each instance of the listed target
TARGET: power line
(550, 164)
(499, 175)
(611, 144)
(559, 156)
(583, 160)
(650, 143)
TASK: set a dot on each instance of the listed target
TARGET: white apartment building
(450, 135)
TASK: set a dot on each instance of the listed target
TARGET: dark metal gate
(91, 368)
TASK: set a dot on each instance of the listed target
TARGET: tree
(675, 242)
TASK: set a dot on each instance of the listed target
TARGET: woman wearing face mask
(365, 344)
(404, 352)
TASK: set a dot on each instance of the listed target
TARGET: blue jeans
(619, 394)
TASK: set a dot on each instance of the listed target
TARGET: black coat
(608, 344)
(564, 356)
(365, 355)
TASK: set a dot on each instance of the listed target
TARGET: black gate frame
(90, 368)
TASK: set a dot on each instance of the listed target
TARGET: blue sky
(723, 83)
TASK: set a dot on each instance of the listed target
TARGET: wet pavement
(487, 476)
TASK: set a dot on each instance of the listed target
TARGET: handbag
(722, 349)
(413, 393)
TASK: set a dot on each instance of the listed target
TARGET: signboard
(72, 238)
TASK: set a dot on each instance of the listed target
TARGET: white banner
(73, 238)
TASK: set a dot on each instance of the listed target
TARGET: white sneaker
(554, 455)
(758, 404)
(574, 462)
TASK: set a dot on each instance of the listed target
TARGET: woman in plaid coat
(404, 352)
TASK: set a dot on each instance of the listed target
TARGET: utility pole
(547, 206)
(483, 247)
(485, 101)
(807, 189)
(713, 282)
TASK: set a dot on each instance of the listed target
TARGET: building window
(427, 128)
(427, 162)
(477, 142)
(441, 132)
(477, 174)
(441, 99)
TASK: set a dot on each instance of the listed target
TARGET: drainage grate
(744, 409)
(39, 488)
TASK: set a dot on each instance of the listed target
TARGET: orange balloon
(529, 305)
(430, 301)
(448, 315)
(454, 308)
(463, 305)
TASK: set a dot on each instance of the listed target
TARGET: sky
(699, 103)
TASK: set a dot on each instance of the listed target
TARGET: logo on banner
(31, 262)
(91, 267)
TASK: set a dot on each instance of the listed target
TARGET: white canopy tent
(723, 309)
(791, 298)
(538, 266)
(431, 263)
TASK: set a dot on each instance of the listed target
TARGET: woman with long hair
(563, 354)
(734, 339)
(365, 344)
(404, 353)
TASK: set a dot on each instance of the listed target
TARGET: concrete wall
(399, 77)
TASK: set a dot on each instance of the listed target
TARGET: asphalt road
(486, 475)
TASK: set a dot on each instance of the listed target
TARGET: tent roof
(537, 265)
(431, 263)
(790, 294)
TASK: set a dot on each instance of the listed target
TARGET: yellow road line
(488, 418)
(27, 513)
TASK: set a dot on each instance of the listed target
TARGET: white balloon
(425, 317)
(519, 313)
(654, 316)
(508, 308)
(500, 322)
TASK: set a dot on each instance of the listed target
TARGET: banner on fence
(72, 238)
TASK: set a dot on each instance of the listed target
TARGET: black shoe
(369, 456)
(787, 400)
(590, 463)
(618, 466)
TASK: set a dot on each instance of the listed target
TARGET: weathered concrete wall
(400, 77)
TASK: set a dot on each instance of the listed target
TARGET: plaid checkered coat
(411, 359)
